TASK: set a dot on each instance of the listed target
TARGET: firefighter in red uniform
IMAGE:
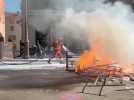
(57, 47)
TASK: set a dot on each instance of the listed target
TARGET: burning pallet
(88, 65)
(103, 73)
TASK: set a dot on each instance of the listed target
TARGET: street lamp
(26, 31)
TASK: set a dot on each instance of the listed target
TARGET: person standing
(1, 45)
(57, 48)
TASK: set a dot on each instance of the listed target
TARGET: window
(18, 22)
(12, 28)
(11, 38)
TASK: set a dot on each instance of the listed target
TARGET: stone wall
(8, 51)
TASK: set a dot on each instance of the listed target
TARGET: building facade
(2, 28)
(2, 19)
(13, 29)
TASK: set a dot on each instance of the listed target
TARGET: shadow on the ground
(46, 79)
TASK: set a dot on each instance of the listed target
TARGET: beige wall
(2, 18)
(2, 26)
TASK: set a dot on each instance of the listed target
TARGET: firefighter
(57, 48)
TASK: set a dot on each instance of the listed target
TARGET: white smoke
(111, 24)
(113, 27)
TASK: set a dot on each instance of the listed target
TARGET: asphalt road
(53, 85)
(36, 78)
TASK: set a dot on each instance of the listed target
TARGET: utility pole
(26, 31)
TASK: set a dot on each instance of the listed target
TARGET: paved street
(38, 80)
(34, 78)
(53, 84)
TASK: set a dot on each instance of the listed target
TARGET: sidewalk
(24, 64)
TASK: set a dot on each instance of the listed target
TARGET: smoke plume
(89, 20)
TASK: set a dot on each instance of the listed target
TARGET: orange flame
(127, 68)
(91, 58)
(94, 57)
(87, 59)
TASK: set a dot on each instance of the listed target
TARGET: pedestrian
(1, 45)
